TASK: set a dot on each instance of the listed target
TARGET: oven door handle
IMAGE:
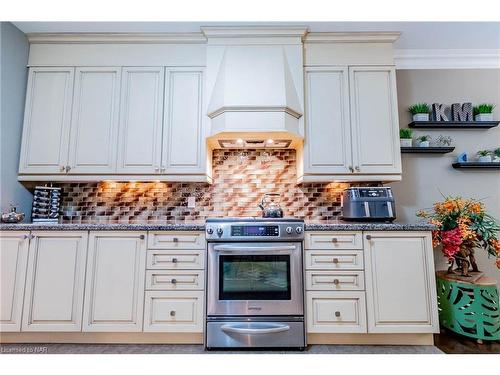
(269, 329)
(231, 248)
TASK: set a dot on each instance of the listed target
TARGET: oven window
(254, 277)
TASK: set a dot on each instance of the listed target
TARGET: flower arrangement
(463, 225)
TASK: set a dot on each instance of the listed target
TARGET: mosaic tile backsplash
(240, 178)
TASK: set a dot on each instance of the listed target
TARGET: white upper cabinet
(95, 120)
(400, 282)
(140, 130)
(374, 118)
(183, 139)
(114, 290)
(53, 299)
(47, 120)
(327, 144)
(13, 262)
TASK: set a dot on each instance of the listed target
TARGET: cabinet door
(374, 119)
(13, 262)
(400, 283)
(47, 120)
(183, 140)
(55, 280)
(114, 290)
(140, 129)
(95, 120)
(327, 144)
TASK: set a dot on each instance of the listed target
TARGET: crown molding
(352, 37)
(96, 38)
(254, 31)
(447, 58)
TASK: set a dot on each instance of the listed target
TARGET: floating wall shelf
(453, 124)
(476, 165)
(426, 150)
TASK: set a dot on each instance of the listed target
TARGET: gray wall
(426, 177)
(13, 77)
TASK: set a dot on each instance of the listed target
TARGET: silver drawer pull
(247, 329)
(335, 260)
(337, 314)
(172, 313)
(335, 240)
(174, 260)
(336, 281)
(173, 281)
(175, 239)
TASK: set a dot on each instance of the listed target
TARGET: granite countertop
(333, 225)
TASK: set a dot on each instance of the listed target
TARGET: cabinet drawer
(175, 280)
(174, 259)
(176, 240)
(336, 312)
(335, 280)
(333, 240)
(334, 260)
(173, 311)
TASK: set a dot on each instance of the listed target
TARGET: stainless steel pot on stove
(270, 208)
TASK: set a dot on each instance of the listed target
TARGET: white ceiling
(415, 35)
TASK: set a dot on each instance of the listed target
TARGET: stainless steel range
(255, 292)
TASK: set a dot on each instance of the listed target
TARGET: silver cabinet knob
(173, 281)
(335, 240)
(336, 281)
(174, 260)
(157, 168)
(337, 314)
(175, 239)
(68, 168)
(368, 237)
(163, 168)
(351, 168)
(62, 168)
(142, 236)
(358, 169)
(335, 260)
(172, 313)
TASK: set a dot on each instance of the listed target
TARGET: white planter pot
(405, 142)
(424, 144)
(484, 159)
(496, 159)
(484, 117)
(421, 117)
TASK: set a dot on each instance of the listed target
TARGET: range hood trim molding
(286, 110)
(254, 31)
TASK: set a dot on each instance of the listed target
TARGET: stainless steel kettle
(270, 209)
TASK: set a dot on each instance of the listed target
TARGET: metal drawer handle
(173, 281)
(236, 329)
(368, 237)
(230, 248)
(337, 314)
(334, 240)
(172, 313)
(175, 239)
(174, 260)
(335, 260)
(336, 281)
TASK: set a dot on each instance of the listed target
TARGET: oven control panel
(249, 231)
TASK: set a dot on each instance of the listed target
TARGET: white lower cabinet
(336, 312)
(13, 263)
(173, 311)
(114, 290)
(400, 282)
(53, 297)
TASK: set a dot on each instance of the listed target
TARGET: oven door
(255, 278)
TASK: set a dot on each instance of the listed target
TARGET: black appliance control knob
(289, 230)
(219, 231)
(298, 230)
(210, 230)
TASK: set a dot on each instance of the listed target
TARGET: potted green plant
(420, 111)
(405, 137)
(483, 112)
(424, 140)
(496, 155)
(484, 156)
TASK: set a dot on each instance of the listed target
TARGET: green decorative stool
(469, 308)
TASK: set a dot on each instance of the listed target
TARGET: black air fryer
(368, 204)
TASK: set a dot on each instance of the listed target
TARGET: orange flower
(465, 231)
(476, 208)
